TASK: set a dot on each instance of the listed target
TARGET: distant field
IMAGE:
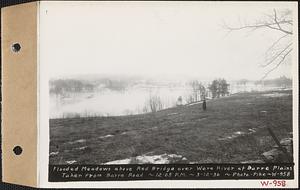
(231, 130)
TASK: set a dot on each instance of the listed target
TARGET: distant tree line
(282, 81)
(116, 84)
(62, 86)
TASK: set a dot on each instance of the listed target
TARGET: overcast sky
(147, 38)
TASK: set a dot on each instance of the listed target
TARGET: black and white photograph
(170, 82)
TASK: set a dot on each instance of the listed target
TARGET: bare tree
(280, 21)
(195, 89)
(198, 91)
(153, 104)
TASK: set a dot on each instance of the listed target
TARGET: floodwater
(131, 101)
(112, 103)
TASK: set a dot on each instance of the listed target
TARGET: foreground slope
(231, 130)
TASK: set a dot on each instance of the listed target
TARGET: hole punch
(17, 150)
(16, 47)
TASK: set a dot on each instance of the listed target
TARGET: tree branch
(258, 25)
(278, 24)
(276, 42)
(277, 65)
(276, 56)
(280, 21)
(274, 24)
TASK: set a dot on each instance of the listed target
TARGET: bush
(153, 104)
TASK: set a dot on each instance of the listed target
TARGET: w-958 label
(273, 183)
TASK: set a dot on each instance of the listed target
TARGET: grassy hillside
(231, 130)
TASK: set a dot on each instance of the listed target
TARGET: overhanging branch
(277, 55)
(277, 65)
